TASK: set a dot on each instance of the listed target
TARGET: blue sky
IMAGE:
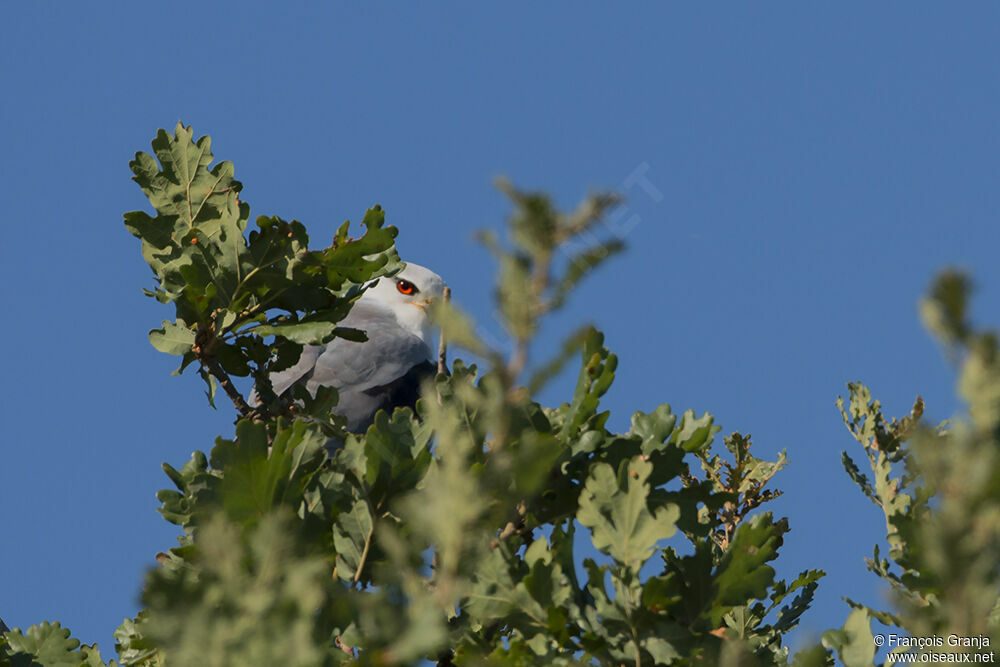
(804, 172)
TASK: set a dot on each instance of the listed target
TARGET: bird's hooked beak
(423, 305)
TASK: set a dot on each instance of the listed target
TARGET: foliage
(46, 644)
(453, 533)
(939, 488)
(230, 290)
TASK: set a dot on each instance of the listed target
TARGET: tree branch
(443, 344)
(540, 279)
(213, 367)
(204, 342)
(364, 554)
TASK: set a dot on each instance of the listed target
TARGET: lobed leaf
(620, 522)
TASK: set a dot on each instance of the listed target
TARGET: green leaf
(533, 224)
(352, 535)
(132, 647)
(47, 644)
(805, 583)
(200, 220)
(514, 296)
(596, 376)
(360, 259)
(172, 338)
(854, 642)
(944, 310)
(246, 597)
(397, 455)
(492, 594)
(694, 433)
(582, 264)
(814, 656)
(620, 522)
(302, 332)
(883, 617)
(545, 582)
(191, 480)
(743, 574)
(254, 481)
(185, 187)
(541, 375)
(663, 652)
(859, 478)
(653, 428)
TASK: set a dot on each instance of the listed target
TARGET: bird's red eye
(406, 287)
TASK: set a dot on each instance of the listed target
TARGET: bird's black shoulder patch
(404, 390)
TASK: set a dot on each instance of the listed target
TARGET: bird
(385, 371)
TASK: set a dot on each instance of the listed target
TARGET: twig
(204, 343)
(364, 554)
(343, 647)
(518, 359)
(213, 367)
(443, 344)
(519, 528)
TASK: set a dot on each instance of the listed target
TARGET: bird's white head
(407, 295)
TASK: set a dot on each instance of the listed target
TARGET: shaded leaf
(352, 534)
(854, 643)
(620, 522)
(172, 338)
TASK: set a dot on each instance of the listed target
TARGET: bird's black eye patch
(406, 287)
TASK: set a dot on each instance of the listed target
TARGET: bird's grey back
(374, 374)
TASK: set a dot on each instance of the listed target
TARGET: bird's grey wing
(359, 407)
(304, 367)
(368, 375)
(282, 380)
(389, 353)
